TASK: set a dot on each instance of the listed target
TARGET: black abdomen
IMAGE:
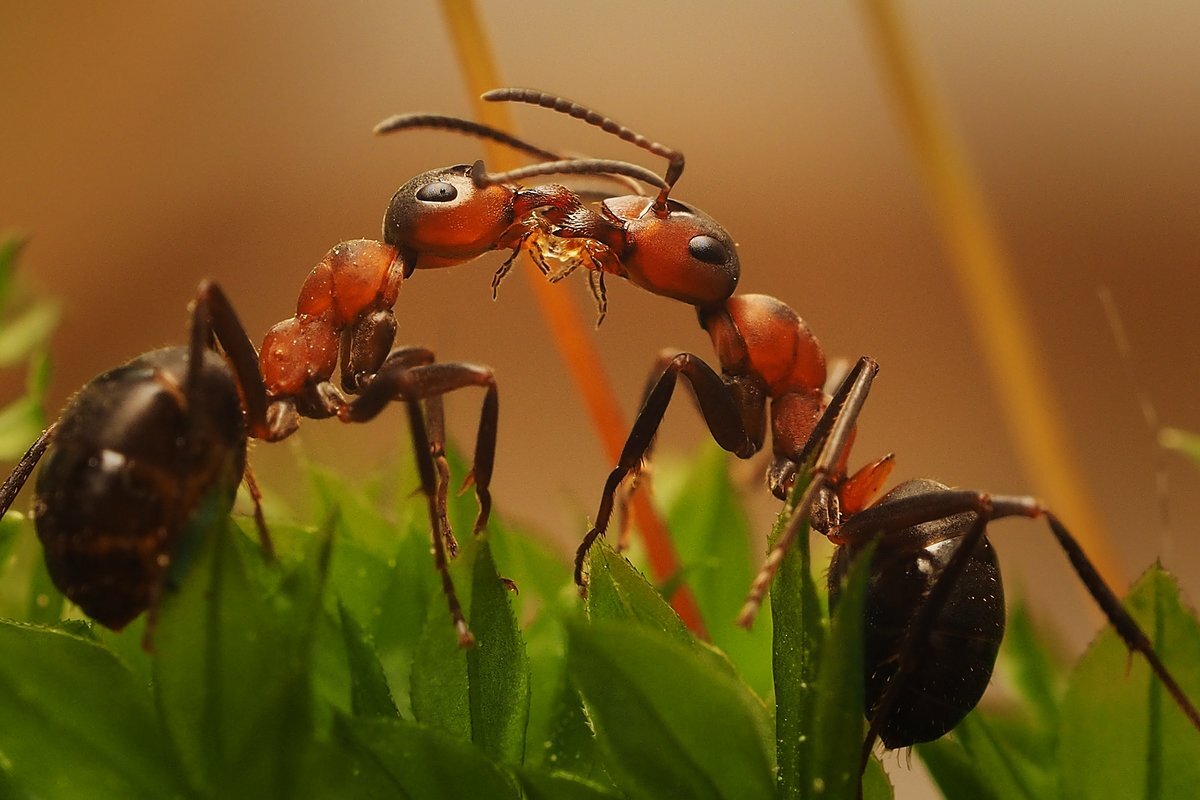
(129, 462)
(955, 660)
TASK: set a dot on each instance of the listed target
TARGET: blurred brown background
(146, 145)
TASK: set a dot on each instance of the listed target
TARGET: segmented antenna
(608, 125)
(576, 166)
(442, 122)
(552, 163)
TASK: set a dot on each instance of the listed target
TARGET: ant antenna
(442, 122)
(607, 124)
(575, 166)
(401, 122)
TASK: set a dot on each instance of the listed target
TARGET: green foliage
(25, 325)
(335, 671)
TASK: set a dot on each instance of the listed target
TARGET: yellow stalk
(1003, 327)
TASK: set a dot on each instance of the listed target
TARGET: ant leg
(640, 479)
(403, 358)
(397, 380)
(214, 314)
(264, 536)
(24, 468)
(435, 417)
(599, 294)
(723, 410)
(829, 439)
(1118, 617)
(503, 270)
(426, 469)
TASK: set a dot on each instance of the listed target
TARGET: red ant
(934, 565)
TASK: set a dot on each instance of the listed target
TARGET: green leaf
(712, 536)
(232, 671)
(23, 420)
(440, 680)
(617, 591)
(875, 783)
(669, 724)
(838, 715)
(481, 694)
(558, 734)
(369, 692)
(954, 770)
(382, 572)
(46, 602)
(497, 666)
(343, 770)
(76, 723)
(1038, 671)
(797, 635)
(423, 763)
(542, 785)
(1009, 773)
(1122, 735)
(21, 336)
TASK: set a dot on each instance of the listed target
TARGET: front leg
(408, 376)
(718, 398)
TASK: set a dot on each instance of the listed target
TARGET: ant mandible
(934, 614)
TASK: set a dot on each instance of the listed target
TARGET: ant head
(685, 254)
(441, 218)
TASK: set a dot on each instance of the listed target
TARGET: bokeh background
(147, 145)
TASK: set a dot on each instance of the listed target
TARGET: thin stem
(1003, 326)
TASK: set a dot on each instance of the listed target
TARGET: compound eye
(437, 192)
(708, 249)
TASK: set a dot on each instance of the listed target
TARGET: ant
(935, 564)
(140, 449)
(934, 615)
